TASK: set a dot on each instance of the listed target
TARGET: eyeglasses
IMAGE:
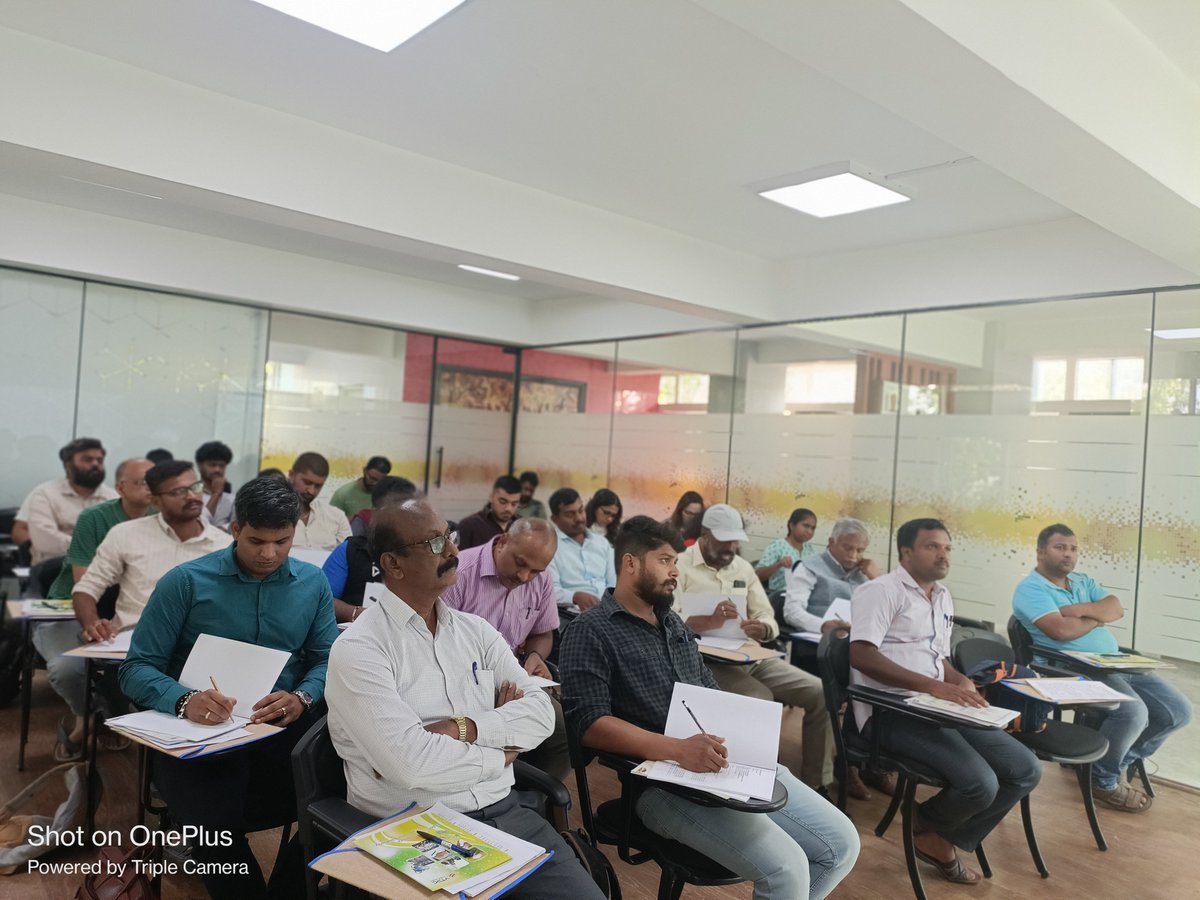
(181, 492)
(436, 544)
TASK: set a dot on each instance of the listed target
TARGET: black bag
(988, 676)
(595, 862)
(12, 661)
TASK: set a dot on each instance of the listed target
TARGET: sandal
(1125, 798)
(66, 750)
(954, 870)
(111, 740)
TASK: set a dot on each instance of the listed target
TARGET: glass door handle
(441, 456)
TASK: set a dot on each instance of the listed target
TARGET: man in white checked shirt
(427, 703)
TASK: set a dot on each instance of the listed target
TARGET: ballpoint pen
(694, 719)
(465, 851)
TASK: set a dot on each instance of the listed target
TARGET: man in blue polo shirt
(1064, 610)
(254, 592)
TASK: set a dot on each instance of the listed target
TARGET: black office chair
(1060, 664)
(324, 818)
(971, 629)
(615, 822)
(833, 656)
(1076, 746)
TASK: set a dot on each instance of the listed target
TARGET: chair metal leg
(897, 797)
(1139, 769)
(841, 769)
(984, 866)
(1084, 774)
(910, 850)
(26, 693)
(1031, 838)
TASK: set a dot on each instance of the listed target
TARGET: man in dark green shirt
(251, 592)
(355, 496)
(67, 674)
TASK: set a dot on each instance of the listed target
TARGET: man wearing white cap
(712, 566)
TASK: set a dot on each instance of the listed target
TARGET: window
(685, 389)
(1117, 378)
(821, 383)
(1049, 380)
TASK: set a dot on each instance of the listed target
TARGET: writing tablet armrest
(638, 783)
(891, 703)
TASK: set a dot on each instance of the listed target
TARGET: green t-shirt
(777, 550)
(94, 523)
(351, 498)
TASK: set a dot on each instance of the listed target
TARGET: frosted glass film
(348, 392)
(159, 370)
(40, 316)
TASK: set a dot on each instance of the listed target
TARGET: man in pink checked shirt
(505, 582)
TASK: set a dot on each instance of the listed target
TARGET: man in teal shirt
(52, 639)
(1065, 610)
(251, 592)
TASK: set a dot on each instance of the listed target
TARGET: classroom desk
(750, 652)
(28, 613)
(94, 657)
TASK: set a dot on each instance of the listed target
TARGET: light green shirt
(351, 497)
(777, 550)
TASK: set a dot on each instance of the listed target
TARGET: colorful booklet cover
(441, 857)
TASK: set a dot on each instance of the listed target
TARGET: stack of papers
(118, 643)
(245, 672)
(172, 733)
(442, 849)
(993, 716)
(839, 609)
(718, 643)
(695, 604)
(1066, 690)
(750, 728)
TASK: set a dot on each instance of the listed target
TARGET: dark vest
(360, 569)
(833, 582)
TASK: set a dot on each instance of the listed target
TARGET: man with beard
(429, 704)
(479, 528)
(901, 641)
(619, 663)
(582, 568)
(49, 513)
(506, 583)
(320, 526)
(254, 593)
(133, 555)
(1065, 610)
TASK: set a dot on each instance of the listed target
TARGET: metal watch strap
(305, 699)
(461, 722)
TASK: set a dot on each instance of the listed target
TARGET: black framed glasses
(436, 544)
(180, 492)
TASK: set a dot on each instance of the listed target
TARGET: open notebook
(750, 728)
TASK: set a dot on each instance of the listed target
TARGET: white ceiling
(668, 115)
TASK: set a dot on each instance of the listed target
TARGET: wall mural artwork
(481, 389)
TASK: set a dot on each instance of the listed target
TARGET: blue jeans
(803, 850)
(1135, 729)
(986, 772)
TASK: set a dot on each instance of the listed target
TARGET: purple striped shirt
(516, 614)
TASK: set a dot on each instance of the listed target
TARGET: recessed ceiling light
(1176, 334)
(492, 272)
(382, 24)
(834, 195)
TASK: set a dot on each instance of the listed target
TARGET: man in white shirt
(48, 515)
(320, 526)
(212, 458)
(712, 566)
(901, 641)
(429, 704)
(582, 568)
(133, 555)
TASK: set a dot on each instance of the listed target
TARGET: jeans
(561, 876)
(774, 679)
(68, 674)
(1135, 729)
(986, 771)
(803, 850)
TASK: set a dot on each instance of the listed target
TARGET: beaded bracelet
(181, 709)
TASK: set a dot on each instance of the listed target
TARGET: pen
(475, 671)
(465, 851)
(213, 681)
(694, 719)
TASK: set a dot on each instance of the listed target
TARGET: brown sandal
(1125, 798)
(954, 870)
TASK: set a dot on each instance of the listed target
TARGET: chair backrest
(318, 772)
(833, 662)
(1021, 640)
(979, 624)
(960, 633)
(969, 653)
(42, 576)
(777, 598)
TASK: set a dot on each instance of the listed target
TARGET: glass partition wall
(997, 419)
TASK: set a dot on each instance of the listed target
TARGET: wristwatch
(305, 699)
(461, 722)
